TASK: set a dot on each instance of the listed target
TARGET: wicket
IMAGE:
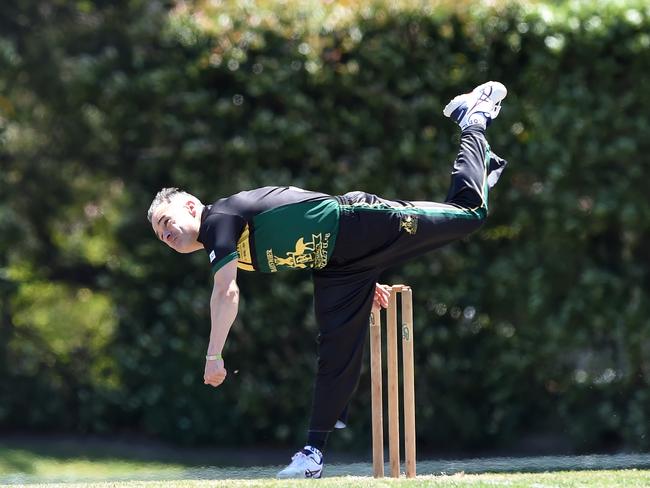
(393, 385)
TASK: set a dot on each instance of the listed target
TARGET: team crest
(409, 223)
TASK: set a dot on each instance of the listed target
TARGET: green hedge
(533, 329)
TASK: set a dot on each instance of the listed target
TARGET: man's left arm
(224, 304)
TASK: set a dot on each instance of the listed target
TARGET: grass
(561, 479)
(64, 465)
(24, 465)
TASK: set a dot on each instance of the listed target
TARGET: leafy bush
(535, 326)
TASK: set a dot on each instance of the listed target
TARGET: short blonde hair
(166, 195)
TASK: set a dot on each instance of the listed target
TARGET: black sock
(317, 439)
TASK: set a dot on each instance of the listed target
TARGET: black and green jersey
(270, 229)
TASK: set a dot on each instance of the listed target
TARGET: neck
(199, 212)
(196, 247)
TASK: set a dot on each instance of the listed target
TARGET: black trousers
(374, 234)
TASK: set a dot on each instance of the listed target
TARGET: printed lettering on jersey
(312, 254)
(297, 236)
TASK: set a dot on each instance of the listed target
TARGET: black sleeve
(219, 235)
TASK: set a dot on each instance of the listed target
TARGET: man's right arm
(224, 304)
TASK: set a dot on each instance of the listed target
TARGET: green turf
(39, 466)
(22, 464)
(562, 479)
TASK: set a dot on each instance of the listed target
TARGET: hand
(382, 292)
(215, 372)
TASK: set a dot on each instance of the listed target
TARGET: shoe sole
(495, 86)
(298, 476)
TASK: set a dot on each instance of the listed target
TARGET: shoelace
(485, 97)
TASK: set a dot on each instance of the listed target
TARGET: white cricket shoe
(306, 463)
(478, 107)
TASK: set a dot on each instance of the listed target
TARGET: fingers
(382, 293)
(216, 378)
(384, 298)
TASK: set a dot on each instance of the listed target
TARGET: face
(177, 224)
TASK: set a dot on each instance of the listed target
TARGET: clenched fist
(215, 372)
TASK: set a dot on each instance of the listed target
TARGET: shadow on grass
(17, 461)
(536, 464)
(153, 461)
(63, 448)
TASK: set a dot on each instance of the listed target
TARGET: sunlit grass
(24, 464)
(44, 466)
(581, 479)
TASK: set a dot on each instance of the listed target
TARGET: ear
(191, 206)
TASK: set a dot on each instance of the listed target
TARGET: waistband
(342, 200)
(361, 200)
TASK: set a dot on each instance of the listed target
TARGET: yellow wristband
(214, 357)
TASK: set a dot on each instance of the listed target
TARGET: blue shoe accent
(306, 463)
(312, 474)
(458, 114)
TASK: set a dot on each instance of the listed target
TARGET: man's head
(176, 217)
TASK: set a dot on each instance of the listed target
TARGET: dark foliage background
(535, 328)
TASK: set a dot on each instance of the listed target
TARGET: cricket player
(346, 241)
